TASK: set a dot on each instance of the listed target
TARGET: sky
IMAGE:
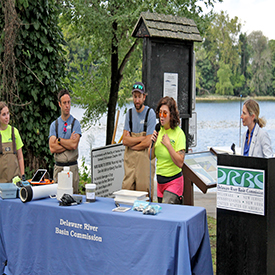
(254, 15)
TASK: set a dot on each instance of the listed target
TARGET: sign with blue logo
(240, 189)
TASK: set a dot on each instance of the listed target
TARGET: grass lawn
(212, 225)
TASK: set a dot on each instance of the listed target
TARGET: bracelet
(58, 141)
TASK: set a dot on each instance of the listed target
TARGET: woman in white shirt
(256, 141)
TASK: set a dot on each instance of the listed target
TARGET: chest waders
(9, 166)
(137, 165)
(67, 158)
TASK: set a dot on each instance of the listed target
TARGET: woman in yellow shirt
(169, 149)
(11, 156)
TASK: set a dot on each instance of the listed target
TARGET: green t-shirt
(165, 165)
(6, 137)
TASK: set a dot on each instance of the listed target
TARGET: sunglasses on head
(163, 113)
(136, 86)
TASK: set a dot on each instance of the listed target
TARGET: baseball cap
(139, 87)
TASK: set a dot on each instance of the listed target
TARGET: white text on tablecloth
(71, 229)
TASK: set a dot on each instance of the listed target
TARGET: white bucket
(65, 178)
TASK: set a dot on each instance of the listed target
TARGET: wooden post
(188, 192)
(190, 177)
(114, 134)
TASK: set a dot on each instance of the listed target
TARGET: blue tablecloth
(41, 237)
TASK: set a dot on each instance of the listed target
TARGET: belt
(66, 163)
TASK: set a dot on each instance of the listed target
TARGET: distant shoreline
(208, 98)
(225, 98)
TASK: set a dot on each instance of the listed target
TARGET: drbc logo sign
(240, 177)
(240, 189)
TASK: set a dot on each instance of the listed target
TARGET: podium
(245, 215)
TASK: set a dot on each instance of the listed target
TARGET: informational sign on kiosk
(171, 85)
(240, 189)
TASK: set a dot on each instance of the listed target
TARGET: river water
(218, 124)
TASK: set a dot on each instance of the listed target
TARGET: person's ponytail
(261, 121)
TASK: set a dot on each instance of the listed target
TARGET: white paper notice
(171, 85)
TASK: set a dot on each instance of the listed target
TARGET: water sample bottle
(90, 192)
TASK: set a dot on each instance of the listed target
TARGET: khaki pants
(137, 170)
(9, 166)
(65, 157)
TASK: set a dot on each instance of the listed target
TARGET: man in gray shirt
(139, 126)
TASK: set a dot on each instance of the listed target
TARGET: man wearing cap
(139, 126)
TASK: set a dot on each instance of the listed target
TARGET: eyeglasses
(65, 127)
(163, 113)
(136, 86)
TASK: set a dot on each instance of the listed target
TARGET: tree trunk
(113, 97)
(116, 78)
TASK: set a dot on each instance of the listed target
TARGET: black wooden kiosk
(245, 222)
(168, 52)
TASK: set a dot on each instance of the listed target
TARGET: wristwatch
(58, 141)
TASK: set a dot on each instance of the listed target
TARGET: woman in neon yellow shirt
(11, 156)
(169, 149)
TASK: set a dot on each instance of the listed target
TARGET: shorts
(175, 186)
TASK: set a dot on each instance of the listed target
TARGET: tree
(206, 77)
(271, 45)
(114, 56)
(221, 44)
(243, 72)
(224, 86)
(245, 54)
(32, 67)
(261, 63)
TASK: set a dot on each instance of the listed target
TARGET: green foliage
(114, 57)
(243, 75)
(220, 46)
(224, 86)
(40, 66)
(271, 45)
(229, 62)
(206, 76)
(239, 81)
(28, 173)
(261, 63)
(245, 54)
(212, 229)
(84, 176)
